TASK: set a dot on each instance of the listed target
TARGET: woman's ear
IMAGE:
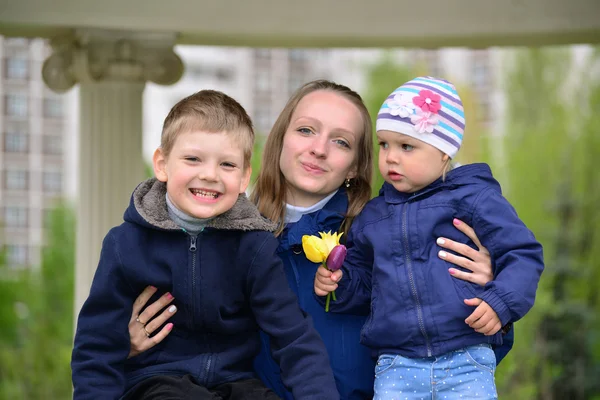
(159, 164)
(352, 173)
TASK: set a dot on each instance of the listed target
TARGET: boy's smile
(204, 173)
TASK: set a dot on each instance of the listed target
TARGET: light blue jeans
(462, 374)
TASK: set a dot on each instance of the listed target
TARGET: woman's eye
(306, 131)
(191, 159)
(342, 143)
(228, 165)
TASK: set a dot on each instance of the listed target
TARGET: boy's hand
(484, 319)
(326, 281)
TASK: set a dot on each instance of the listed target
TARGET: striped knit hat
(428, 109)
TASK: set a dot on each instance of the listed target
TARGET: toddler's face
(204, 173)
(407, 163)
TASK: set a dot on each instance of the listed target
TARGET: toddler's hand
(484, 319)
(325, 281)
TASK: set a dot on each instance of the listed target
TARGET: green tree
(551, 148)
(36, 346)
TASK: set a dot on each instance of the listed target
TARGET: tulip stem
(333, 296)
(327, 302)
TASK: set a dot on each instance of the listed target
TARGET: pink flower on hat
(424, 121)
(401, 105)
(428, 101)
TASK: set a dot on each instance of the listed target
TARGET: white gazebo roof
(320, 23)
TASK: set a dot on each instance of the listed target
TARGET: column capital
(97, 55)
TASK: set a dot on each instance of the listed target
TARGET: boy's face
(407, 163)
(204, 173)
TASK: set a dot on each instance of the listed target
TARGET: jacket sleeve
(353, 295)
(516, 255)
(102, 338)
(295, 344)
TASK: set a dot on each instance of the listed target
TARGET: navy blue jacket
(352, 364)
(393, 273)
(228, 283)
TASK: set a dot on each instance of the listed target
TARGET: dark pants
(184, 388)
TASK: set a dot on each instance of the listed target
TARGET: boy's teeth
(202, 193)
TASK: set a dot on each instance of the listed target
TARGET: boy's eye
(407, 147)
(191, 159)
(383, 145)
(228, 165)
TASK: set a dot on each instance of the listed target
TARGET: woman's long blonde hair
(270, 188)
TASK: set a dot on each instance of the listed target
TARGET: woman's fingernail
(440, 241)
(442, 254)
(169, 296)
(153, 287)
(456, 221)
(172, 309)
(169, 326)
(452, 271)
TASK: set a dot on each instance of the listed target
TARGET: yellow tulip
(317, 250)
(314, 248)
(331, 240)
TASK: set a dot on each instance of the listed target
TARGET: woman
(315, 176)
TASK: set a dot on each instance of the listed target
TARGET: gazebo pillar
(111, 68)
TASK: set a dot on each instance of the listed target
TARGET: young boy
(430, 342)
(191, 232)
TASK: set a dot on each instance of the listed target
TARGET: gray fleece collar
(149, 199)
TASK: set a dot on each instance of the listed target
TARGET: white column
(112, 68)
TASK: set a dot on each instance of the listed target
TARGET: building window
(262, 54)
(53, 108)
(263, 118)
(16, 255)
(263, 81)
(16, 41)
(16, 105)
(295, 81)
(53, 145)
(16, 142)
(16, 180)
(52, 182)
(17, 68)
(15, 216)
(298, 55)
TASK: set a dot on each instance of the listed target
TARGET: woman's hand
(478, 262)
(142, 325)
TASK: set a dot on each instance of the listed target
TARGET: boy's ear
(445, 157)
(245, 179)
(159, 164)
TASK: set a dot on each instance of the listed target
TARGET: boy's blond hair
(209, 111)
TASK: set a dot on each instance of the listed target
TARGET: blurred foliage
(36, 310)
(551, 148)
(383, 77)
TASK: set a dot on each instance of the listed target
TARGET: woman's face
(320, 147)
